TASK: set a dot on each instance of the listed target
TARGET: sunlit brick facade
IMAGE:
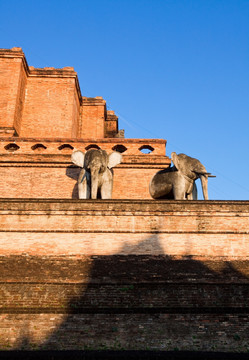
(128, 273)
(43, 117)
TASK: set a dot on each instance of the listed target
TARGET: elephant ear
(187, 165)
(77, 158)
(114, 159)
(174, 159)
(179, 161)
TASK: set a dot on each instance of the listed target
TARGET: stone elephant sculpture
(178, 182)
(96, 176)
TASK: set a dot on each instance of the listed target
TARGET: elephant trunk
(94, 182)
(204, 184)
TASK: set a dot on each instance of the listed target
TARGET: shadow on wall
(73, 173)
(156, 303)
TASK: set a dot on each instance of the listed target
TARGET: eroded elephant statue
(96, 177)
(178, 182)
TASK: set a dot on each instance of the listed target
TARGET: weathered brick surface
(50, 108)
(43, 169)
(92, 117)
(47, 102)
(66, 145)
(128, 302)
(125, 297)
(179, 228)
(46, 181)
(43, 117)
(124, 274)
(196, 332)
(13, 74)
(111, 124)
(113, 274)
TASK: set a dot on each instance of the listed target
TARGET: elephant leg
(192, 192)
(106, 187)
(83, 185)
(88, 185)
(82, 189)
(179, 193)
(106, 191)
(179, 187)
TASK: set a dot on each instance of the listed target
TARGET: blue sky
(172, 69)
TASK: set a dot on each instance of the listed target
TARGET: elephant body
(178, 182)
(96, 177)
(171, 185)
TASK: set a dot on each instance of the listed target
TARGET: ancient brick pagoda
(43, 117)
(129, 273)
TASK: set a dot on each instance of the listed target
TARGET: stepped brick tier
(112, 274)
(43, 117)
(43, 168)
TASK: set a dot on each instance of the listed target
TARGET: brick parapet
(15, 53)
(93, 101)
(65, 145)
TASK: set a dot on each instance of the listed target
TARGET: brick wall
(93, 115)
(111, 124)
(49, 109)
(20, 99)
(60, 181)
(124, 275)
(113, 274)
(13, 73)
(47, 102)
(107, 227)
(43, 169)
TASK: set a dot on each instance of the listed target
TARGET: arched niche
(38, 147)
(119, 148)
(65, 147)
(12, 147)
(92, 146)
(146, 149)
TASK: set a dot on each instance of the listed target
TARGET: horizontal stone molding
(238, 208)
(40, 160)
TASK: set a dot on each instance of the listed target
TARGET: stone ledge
(151, 161)
(118, 205)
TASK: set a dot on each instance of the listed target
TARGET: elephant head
(97, 175)
(192, 169)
